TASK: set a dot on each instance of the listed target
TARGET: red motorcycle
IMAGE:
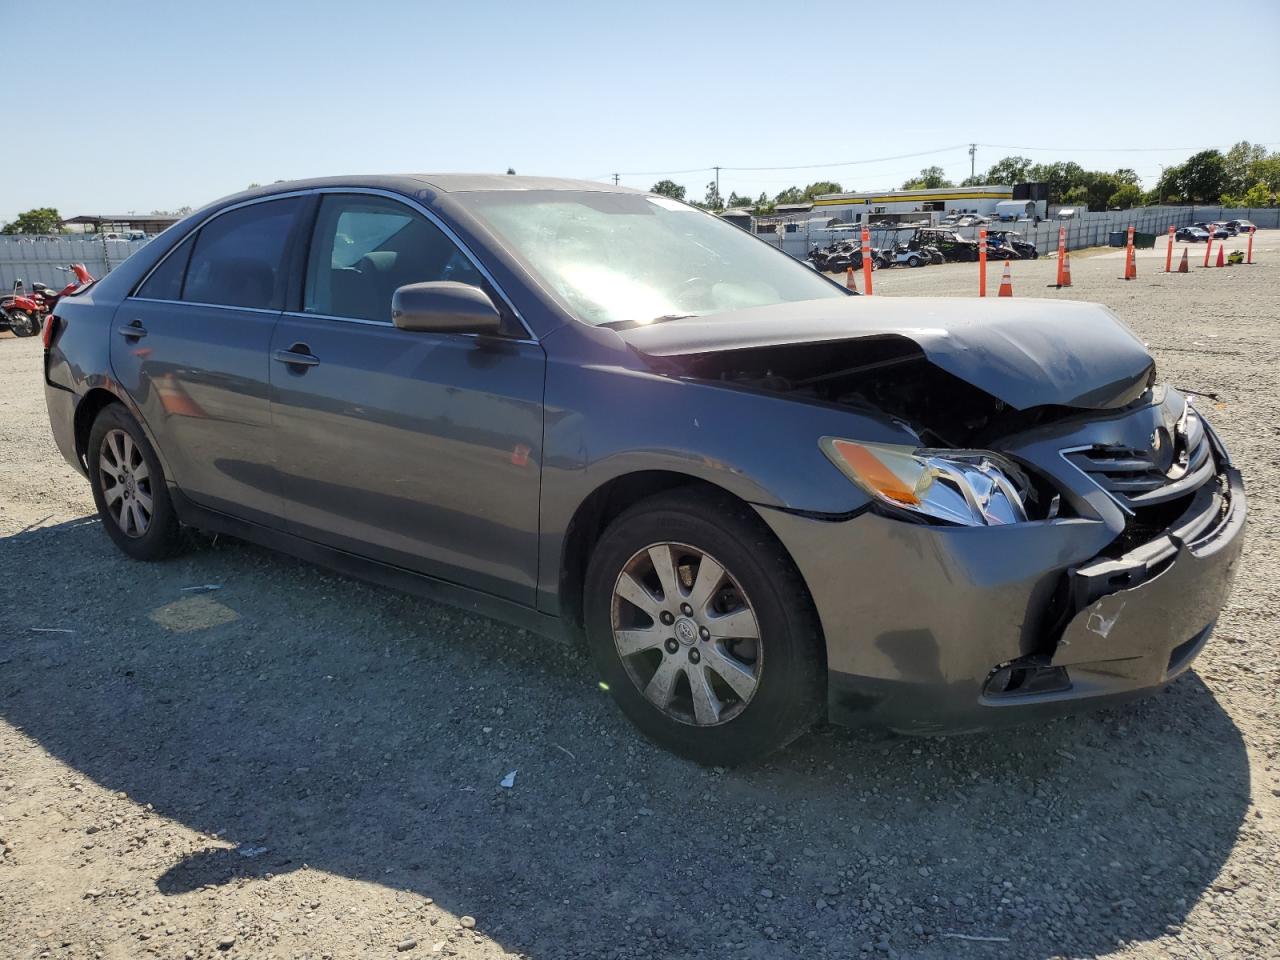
(24, 313)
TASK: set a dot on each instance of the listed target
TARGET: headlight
(971, 487)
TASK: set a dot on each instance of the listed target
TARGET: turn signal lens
(889, 472)
(46, 335)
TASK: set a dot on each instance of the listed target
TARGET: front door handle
(299, 355)
(132, 331)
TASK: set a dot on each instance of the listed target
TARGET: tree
(790, 195)
(1256, 196)
(37, 220)
(1010, 170)
(1076, 196)
(713, 200)
(1125, 196)
(737, 201)
(1259, 195)
(511, 171)
(668, 188)
(1267, 171)
(180, 212)
(1203, 178)
(764, 206)
(1168, 186)
(1060, 177)
(822, 186)
(1238, 163)
(930, 178)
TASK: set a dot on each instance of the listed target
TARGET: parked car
(594, 411)
(1216, 230)
(1241, 226)
(1192, 234)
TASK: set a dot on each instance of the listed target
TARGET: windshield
(620, 258)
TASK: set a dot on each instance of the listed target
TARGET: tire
(761, 589)
(23, 324)
(116, 440)
(913, 261)
(937, 259)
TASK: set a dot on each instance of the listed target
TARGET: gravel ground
(299, 765)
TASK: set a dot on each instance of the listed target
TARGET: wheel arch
(599, 508)
(87, 409)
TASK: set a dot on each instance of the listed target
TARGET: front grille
(1171, 469)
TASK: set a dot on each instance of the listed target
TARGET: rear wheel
(129, 487)
(703, 630)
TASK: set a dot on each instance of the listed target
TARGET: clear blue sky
(163, 104)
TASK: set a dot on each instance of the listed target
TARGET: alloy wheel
(126, 483)
(687, 634)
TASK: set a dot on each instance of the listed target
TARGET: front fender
(604, 422)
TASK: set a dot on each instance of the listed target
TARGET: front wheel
(913, 261)
(23, 324)
(702, 629)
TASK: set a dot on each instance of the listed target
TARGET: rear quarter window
(165, 282)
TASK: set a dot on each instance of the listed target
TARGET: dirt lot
(298, 765)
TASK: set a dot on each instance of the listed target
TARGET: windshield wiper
(628, 324)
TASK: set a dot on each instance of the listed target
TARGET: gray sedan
(757, 499)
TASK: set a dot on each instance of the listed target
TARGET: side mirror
(443, 306)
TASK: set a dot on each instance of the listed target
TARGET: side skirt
(373, 571)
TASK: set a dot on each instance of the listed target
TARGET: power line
(1005, 146)
(800, 166)
(852, 163)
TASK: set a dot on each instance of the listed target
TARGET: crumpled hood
(1026, 353)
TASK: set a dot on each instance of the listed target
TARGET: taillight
(50, 324)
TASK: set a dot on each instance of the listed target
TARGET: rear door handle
(132, 331)
(296, 358)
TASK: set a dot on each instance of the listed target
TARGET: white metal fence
(1086, 230)
(45, 259)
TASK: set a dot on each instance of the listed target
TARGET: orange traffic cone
(1222, 261)
(1066, 269)
(1130, 265)
(1006, 282)
(1182, 264)
(849, 280)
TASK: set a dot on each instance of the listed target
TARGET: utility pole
(615, 179)
(717, 170)
(973, 150)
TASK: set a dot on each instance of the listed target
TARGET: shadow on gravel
(364, 733)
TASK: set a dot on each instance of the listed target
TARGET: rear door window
(239, 257)
(365, 247)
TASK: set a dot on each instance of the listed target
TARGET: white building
(911, 206)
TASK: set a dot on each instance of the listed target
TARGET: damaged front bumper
(934, 630)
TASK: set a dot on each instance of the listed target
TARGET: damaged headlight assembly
(973, 488)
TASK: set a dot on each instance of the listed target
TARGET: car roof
(427, 185)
